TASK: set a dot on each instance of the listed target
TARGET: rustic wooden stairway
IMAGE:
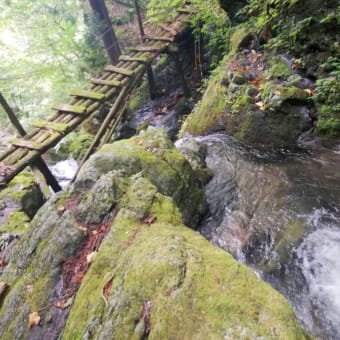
(115, 86)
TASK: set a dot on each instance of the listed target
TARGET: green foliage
(209, 22)
(328, 101)
(45, 49)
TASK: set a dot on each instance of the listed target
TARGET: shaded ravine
(278, 212)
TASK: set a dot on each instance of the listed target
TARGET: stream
(279, 213)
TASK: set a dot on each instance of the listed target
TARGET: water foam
(319, 256)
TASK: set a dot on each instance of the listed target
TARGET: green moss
(194, 289)
(19, 187)
(139, 97)
(79, 145)
(279, 69)
(208, 112)
(241, 102)
(16, 223)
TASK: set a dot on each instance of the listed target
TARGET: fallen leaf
(91, 257)
(33, 319)
(277, 92)
(61, 208)
(260, 105)
(150, 219)
(94, 232)
(310, 92)
(63, 304)
(2, 262)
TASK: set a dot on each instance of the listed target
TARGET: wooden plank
(150, 49)
(187, 10)
(168, 29)
(88, 94)
(23, 143)
(76, 109)
(119, 70)
(112, 83)
(143, 60)
(44, 124)
(155, 38)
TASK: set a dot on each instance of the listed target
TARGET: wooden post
(39, 167)
(149, 72)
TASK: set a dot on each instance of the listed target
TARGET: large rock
(150, 277)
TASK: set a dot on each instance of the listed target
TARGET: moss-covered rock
(256, 104)
(153, 155)
(151, 276)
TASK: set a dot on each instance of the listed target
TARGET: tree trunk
(106, 30)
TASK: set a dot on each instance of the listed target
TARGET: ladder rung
(187, 11)
(146, 49)
(79, 110)
(169, 30)
(113, 83)
(23, 143)
(44, 124)
(88, 94)
(119, 70)
(143, 60)
(166, 39)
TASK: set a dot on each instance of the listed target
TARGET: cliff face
(112, 258)
(280, 80)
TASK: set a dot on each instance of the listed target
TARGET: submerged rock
(150, 277)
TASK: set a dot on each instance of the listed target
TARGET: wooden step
(23, 143)
(187, 11)
(112, 83)
(119, 70)
(150, 49)
(165, 39)
(168, 29)
(143, 60)
(44, 124)
(76, 109)
(88, 94)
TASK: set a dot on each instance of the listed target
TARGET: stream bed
(279, 213)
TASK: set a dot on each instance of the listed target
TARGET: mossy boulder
(152, 154)
(151, 276)
(19, 202)
(253, 102)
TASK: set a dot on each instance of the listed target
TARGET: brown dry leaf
(94, 232)
(63, 304)
(150, 219)
(140, 142)
(277, 92)
(33, 319)
(91, 257)
(61, 208)
(107, 288)
(2, 262)
(310, 92)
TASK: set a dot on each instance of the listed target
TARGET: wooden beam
(112, 83)
(169, 30)
(44, 124)
(39, 167)
(150, 49)
(164, 39)
(76, 109)
(143, 60)
(88, 94)
(28, 144)
(119, 70)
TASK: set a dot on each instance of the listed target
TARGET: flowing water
(278, 212)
